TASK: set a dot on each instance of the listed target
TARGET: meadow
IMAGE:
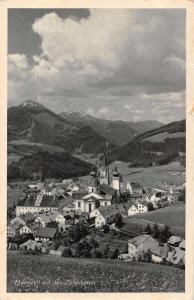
(46, 273)
(150, 176)
(173, 216)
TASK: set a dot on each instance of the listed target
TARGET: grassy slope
(55, 274)
(173, 216)
(149, 176)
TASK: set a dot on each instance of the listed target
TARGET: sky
(118, 64)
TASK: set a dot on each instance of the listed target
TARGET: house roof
(182, 244)
(107, 211)
(49, 201)
(27, 217)
(79, 195)
(178, 255)
(174, 239)
(161, 251)
(138, 240)
(66, 202)
(106, 189)
(46, 232)
(29, 243)
(135, 185)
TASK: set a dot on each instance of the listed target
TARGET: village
(92, 220)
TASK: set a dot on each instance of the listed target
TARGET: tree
(182, 196)
(106, 228)
(148, 229)
(156, 231)
(115, 254)
(165, 234)
(150, 206)
(106, 251)
(118, 220)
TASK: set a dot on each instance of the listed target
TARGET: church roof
(93, 182)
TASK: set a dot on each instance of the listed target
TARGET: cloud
(115, 63)
(18, 60)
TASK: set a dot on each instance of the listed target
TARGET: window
(79, 204)
(90, 207)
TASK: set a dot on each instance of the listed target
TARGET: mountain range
(31, 126)
(33, 129)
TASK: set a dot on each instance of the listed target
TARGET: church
(101, 190)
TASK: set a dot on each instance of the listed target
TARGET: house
(11, 231)
(17, 221)
(141, 243)
(137, 208)
(30, 245)
(30, 228)
(135, 189)
(182, 245)
(37, 203)
(58, 252)
(66, 205)
(45, 234)
(104, 215)
(25, 229)
(159, 254)
(45, 218)
(176, 256)
(174, 241)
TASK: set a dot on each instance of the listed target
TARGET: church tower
(116, 180)
(93, 183)
(104, 172)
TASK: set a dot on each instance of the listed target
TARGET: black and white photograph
(96, 150)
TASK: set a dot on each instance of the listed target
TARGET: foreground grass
(57, 274)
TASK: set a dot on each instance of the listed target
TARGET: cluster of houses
(51, 208)
(173, 251)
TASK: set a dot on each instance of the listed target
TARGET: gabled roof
(29, 243)
(161, 251)
(138, 240)
(49, 201)
(174, 239)
(107, 189)
(46, 232)
(95, 195)
(107, 211)
(79, 195)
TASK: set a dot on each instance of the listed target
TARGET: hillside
(159, 146)
(42, 165)
(173, 216)
(117, 132)
(34, 123)
(89, 275)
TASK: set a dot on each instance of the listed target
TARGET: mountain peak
(31, 103)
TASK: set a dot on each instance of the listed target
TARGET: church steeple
(104, 172)
(116, 180)
(93, 183)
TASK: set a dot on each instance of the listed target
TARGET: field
(57, 274)
(150, 176)
(173, 216)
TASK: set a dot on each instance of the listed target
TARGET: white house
(25, 229)
(137, 208)
(11, 231)
(45, 235)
